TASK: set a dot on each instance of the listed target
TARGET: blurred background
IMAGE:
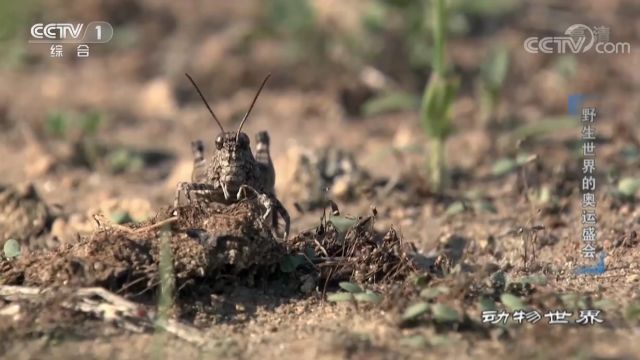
(349, 73)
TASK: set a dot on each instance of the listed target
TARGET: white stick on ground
(110, 307)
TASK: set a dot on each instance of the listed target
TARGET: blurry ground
(146, 106)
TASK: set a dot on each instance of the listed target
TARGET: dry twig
(110, 307)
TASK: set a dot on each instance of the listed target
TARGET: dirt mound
(205, 244)
(213, 247)
(344, 249)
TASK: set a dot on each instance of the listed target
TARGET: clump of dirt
(213, 243)
(346, 249)
(23, 214)
(206, 244)
(332, 171)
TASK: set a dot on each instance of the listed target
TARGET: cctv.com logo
(578, 38)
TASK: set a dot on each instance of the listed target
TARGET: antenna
(251, 107)
(205, 102)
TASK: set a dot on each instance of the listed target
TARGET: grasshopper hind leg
(198, 173)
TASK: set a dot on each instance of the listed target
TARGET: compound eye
(219, 142)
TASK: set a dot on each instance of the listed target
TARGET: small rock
(59, 228)
(12, 310)
(157, 100)
(340, 188)
(138, 209)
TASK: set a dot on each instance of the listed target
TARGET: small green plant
(628, 187)
(411, 22)
(435, 112)
(57, 124)
(81, 130)
(165, 297)
(69, 126)
(121, 160)
(354, 294)
(165, 301)
(440, 313)
(493, 73)
(390, 102)
(11, 248)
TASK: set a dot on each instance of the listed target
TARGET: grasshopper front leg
(272, 206)
(188, 189)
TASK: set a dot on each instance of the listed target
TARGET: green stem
(436, 164)
(439, 25)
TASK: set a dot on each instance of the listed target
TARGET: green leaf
(350, 287)
(368, 296)
(340, 297)
(91, 123)
(11, 248)
(503, 167)
(434, 292)
(57, 124)
(494, 70)
(121, 217)
(123, 160)
(628, 186)
(486, 9)
(341, 223)
(512, 302)
(444, 314)
(486, 304)
(420, 280)
(415, 310)
(455, 208)
(544, 127)
(391, 102)
(436, 106)
(523, 158)
(120, 160)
